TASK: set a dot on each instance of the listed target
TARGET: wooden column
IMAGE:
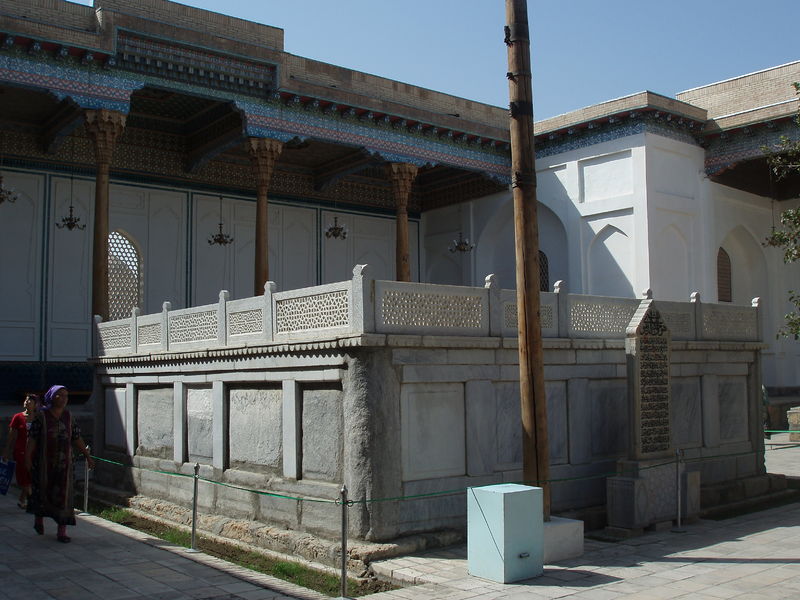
(104, 127)
(535, 459)
(264, 154)
(402, 176)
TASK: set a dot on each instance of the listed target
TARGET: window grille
(544, 272)
(125, 276)
(724, 286)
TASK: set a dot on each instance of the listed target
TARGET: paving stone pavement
(111, 562)
(750, 557)
(755, 556)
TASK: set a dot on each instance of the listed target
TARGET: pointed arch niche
(610, 263)
(125, 275)
(748, 268)
(671, 273)
(497, 253)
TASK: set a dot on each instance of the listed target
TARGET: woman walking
(50, 458)
(17, 440)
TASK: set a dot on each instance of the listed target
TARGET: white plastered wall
(592, 225)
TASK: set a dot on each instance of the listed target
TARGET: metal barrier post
(194, 509)
(677, 528)
(344, 541)
(86, 485)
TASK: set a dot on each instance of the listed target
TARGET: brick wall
(746, 92)
(180, 15)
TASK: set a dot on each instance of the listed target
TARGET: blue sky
(583, 51)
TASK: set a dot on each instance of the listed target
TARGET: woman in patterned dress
(50, 459)
(17, 443)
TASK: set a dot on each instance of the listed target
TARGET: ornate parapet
(341, 313)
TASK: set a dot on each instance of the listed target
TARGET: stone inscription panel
(255, 428)
(649, 353)
(199, 415)
(154, 421)
(323, 426)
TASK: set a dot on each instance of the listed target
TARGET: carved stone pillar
(402, 177)
(104, 127)
(264, 154)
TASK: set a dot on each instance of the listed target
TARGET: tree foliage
(783, 160)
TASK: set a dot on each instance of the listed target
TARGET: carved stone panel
(648, 350)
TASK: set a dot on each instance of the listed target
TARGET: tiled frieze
(94, 87)
(89, 87)
(577, 138)
(393, 144)
(731, 147)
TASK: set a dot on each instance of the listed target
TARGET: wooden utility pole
(535, 459)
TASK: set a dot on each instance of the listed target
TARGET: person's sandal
(64, 539)
(39, 527)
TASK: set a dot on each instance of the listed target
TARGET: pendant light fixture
(461, 245)
(336, 231)
(7, 194)
(221, 238)
(71, 222)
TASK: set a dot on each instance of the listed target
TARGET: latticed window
(125, 276)
(544, 272)
(724, 287)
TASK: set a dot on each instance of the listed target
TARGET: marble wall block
(255, 419)
(557, 425)
(609, 414)
(432, 424)
(199, 417)
(322, 423)
(733, 420)
(155, 422)
(686, 413)
(115, 418)
(509, 424)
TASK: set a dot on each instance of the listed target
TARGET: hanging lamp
(221, 238)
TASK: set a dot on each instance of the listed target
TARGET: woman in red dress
(17, 439)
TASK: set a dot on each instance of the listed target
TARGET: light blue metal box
(505, 532)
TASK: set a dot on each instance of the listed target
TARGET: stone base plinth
(646, 494)
(793, 416)
(563, 539)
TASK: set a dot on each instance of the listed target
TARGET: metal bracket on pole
(344, 502)
(194, 509)
(85, 512)
(678, 528)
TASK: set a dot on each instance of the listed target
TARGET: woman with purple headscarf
(49, 457)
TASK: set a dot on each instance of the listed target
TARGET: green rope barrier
(272, 494)
(450, 492)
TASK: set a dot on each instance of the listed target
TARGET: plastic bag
(6, 475)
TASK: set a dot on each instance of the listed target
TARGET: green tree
(783, 160)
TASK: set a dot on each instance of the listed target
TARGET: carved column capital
(402, 176)
(264, 153)
(104, 127)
